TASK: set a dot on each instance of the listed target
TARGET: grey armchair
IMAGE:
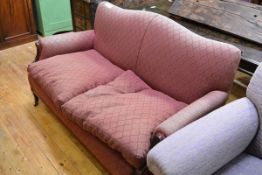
(227, 141)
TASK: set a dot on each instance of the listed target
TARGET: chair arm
(204, 146)
(192, 112)
(64, 43)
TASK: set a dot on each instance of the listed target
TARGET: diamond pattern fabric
(65, 76)
(66, 43)
(123, 114)
(182, 64)
(119, 33)
(120, 107)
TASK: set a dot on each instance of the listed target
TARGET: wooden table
(242, 34)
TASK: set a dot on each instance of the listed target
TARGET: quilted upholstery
(123, 113)
(254, 93)
(65, 76)
(185, 65)
(119, 33)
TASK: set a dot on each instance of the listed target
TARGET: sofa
(227, 141)
(133, 80)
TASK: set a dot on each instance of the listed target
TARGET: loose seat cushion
(65, 76)
(122, 113)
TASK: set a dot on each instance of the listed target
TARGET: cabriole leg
(36, 99)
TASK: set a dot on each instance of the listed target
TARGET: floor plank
(32, 140)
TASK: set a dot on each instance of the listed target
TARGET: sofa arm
(64, 43)
(192, 112)
(207, 144)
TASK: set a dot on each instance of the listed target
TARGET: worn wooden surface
(82, 15)
(239, 18)
(32, 140)
(256, 1)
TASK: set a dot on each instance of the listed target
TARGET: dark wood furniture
(17, 24)
(242, 22)
(256, 1)
(82, 15)
(251, 49)
(235, 17)
(83, 11)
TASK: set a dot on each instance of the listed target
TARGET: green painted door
(53, 16)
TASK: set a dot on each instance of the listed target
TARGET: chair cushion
(65, 76)
(244, 164)
(123, 113)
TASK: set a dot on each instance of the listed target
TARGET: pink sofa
(137, 77)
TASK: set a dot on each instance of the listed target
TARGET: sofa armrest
(192, 112)
(64, 43)
(204, 146)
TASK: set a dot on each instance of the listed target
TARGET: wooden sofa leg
(147, 172)
(36, 99)
(143, 171)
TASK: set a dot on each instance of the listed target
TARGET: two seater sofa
(137, 77)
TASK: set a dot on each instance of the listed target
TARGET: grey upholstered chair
(228, 141)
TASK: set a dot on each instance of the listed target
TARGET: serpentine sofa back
(164, 54)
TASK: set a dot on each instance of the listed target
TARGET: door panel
(15, 23)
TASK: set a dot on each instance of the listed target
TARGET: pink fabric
(65, 76)
(66, 43)
(111, 160)
(119, 33)
(192, 112)
(123, 114)
(182, 64)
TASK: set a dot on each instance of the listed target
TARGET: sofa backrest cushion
(119, 33)
(254, 93)
(182, 64)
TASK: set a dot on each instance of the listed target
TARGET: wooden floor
(32, 140)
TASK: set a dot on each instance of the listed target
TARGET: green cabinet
(53, 16)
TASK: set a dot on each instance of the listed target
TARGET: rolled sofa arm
(192, 112)
(204, 146)
(64, 43)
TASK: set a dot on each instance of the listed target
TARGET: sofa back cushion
(182, 64)
(119, 33)
(254, 93)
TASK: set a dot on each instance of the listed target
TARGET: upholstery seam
(143, 38)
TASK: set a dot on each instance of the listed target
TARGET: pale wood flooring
(32, 139)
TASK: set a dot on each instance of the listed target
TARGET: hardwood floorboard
(32, 140)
